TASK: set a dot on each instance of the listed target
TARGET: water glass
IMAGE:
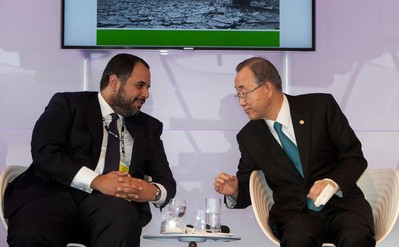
(200, 220)
(213, 215)
(177, 207)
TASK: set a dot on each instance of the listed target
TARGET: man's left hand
(135, 189)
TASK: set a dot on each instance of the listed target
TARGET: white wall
(356, 59)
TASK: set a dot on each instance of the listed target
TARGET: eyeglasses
(244, 95)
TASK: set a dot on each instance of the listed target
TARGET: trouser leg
(46, 221)
(110, 221)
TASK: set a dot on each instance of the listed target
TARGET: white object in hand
(325, 195)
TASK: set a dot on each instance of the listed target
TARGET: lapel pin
(301, 122)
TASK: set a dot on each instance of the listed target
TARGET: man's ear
(269, 88)
(113, 82)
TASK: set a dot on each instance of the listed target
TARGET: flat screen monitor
(189, 24)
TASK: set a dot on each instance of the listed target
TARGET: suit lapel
(134, 128)
(301, 123)
(273, 147)
(95, 125)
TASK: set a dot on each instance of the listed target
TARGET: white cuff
(164, 194)
(83, 179)
(230, 202)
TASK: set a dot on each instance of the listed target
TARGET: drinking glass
(177, 209)
(200, 220)
(213, 215)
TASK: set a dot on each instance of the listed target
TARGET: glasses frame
(244, 95)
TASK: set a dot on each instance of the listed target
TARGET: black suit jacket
(68, 135)
(328, 148)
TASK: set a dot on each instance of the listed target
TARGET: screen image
(189, 24)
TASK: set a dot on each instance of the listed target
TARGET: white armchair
(9, 174)
(380, 187)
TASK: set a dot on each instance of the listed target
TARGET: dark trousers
(341, 227)
(60, 218)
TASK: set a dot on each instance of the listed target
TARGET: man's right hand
(227, 185)
(108, 183)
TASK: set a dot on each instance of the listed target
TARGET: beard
(123, 105)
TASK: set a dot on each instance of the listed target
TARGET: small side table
(194, 238)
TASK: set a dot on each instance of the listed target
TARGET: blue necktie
(292, 152)
(112, 155)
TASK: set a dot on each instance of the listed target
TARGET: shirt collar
(105, 107)
(283, 116)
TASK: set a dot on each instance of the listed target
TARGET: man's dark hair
(263, 71)
(122, 66)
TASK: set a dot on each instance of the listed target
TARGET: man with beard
(76, 191)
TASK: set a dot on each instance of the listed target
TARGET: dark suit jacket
(68, 135)
(328, 148)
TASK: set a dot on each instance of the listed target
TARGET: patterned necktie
(112, 155)
(292, 152)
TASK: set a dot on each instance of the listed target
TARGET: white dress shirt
(85, 176)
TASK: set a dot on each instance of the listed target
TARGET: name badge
(124, 167)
